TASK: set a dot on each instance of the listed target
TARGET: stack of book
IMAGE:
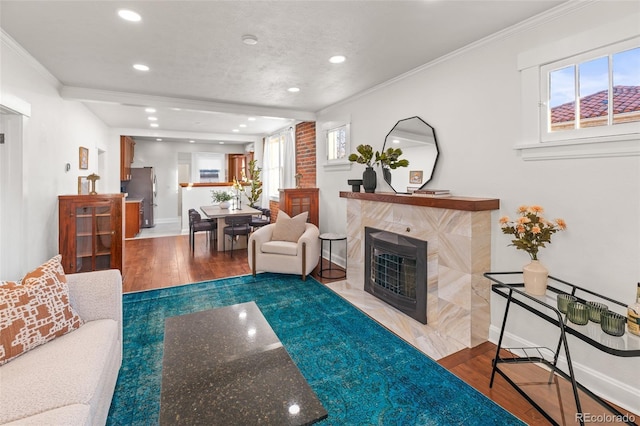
(433, 192)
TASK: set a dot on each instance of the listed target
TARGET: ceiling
(205, 83)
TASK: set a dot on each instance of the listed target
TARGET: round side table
(330, 272)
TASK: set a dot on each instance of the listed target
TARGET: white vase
(224, 204)
(535, 278)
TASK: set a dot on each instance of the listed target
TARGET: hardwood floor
(167, 261)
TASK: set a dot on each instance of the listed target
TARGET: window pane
(594, 93)
(626, 86)
(337, 143)
(562, 98)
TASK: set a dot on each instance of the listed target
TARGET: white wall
(52, 136)
(473, 101)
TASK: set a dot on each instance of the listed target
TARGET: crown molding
(535, 21)
(32, 62)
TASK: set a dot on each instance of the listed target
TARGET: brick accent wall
(305, 160)
(306, 153)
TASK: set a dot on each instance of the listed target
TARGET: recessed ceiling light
(159, 139)
(149, 110)
(395, 141)
(141, 67)
(235, 130)
(293, 89)
(221, 143)
(192, 141)
(243, 125)
(251, 119)
(129, 15)
(176, 109)
(338, 59)
(249, 39)
(152, 118)
(154, 124)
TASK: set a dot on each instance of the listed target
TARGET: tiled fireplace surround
(458, 232)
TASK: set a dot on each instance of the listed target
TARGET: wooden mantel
(452, 202)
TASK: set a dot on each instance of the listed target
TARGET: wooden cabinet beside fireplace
(91, 232)
(294, 201)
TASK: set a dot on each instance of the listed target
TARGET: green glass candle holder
(578, 313)
(563, 301)
(595, 310)
(613, 323)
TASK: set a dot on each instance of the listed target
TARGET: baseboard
(614, 391)
(168, 220)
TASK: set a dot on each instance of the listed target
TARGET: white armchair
(284, 257)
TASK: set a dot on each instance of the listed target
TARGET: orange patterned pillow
(35, 311)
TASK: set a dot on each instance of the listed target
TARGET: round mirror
(418, 143)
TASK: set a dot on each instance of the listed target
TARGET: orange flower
(531, 231)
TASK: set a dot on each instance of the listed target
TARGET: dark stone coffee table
(226, 366)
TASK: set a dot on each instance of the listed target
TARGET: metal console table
(510, 286)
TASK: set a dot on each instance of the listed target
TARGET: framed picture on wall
(84, 158)
(83, 185)
(415, 176)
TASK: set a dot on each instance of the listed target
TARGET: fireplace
(396, 271)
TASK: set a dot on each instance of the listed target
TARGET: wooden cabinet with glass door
(91, 232)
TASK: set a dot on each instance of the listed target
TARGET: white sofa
(284, 257)
(71, 379)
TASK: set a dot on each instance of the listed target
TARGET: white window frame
(268, 167)
(589, 132)
(337, 164)
(533, 144)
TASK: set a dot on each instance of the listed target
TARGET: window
(279, 163)
(337, 135)
(272, 172)
(337, 143)
(593, 94)
(591, 75)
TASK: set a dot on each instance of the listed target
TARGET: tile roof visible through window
(627, 100)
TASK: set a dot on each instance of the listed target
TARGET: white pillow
(289, 228)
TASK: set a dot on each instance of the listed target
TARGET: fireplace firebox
(396, 271)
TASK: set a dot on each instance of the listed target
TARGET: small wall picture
(84, 158)
(83, 185)
(415, 176)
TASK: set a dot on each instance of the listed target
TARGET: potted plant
(389, 159)
(532, 231)
(222, 197)
(255, 184)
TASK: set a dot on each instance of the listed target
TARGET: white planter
(224, 204)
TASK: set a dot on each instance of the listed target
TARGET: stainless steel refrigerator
(143, 185)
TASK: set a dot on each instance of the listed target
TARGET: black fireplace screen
(396, 271)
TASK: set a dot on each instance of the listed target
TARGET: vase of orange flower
(531, 232)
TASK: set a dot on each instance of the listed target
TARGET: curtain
(288, 162)
(266, 180)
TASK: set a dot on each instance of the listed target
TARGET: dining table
(215, 212)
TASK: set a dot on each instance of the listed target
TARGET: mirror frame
(387, 173)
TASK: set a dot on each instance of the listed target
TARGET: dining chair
(236, 226)
(264, 218)
(197, 224)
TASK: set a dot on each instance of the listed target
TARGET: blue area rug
(362, 373)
